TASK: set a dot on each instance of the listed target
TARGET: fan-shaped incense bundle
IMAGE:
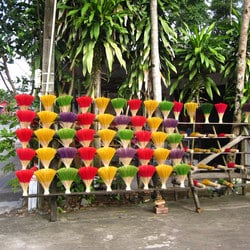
(159, 138)
(246, 111)
(66, 135)
(221, 109)
(87, 175)
(85, 120)
(177, 108)
(67, 176)
(176, 155)
(24, 101)
(105, 120)
(165, 107)
(47, 118)
(138, 122)
(144, 155)
(150, 106)
(45, 178)
(210, 183)
(161, 155)
(106, 135)
(44, 136)
(67, 119)
(206, 109)
(25, 155)
(25, 117)
(143, 137)
(170, 124)
(64, 102)
(67, 155)
(145, 173)
(154, 123)
(46, 155)
(106, 154)
(174, 139)
(121, 121)
(125, 136)
(102, 104)
(118, 104)
(24, 176)
(24, 135)
(134, 105)
(84, 103)
(87, 155)
(128, 173)
(164, 171)
(191, 108)
(226, 183)
(181, 171)
(107, 174)
(125, 155)
(85, 136)
(48, 101)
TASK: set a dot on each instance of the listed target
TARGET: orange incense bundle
(84, 103)
(24, 176)
(159, 138)
(150, 106)
(48, 101)
(161, 155)
(102, 104)
(46, 155)
(154, 123)
(24, 135)
(47, 118)
(44, 136)
(105, 120)
(87, 155)
(138, 122)
(25, 117)
(164, 171)
(143, 137)
(87, 175)
(134, 105)
(144, 155)
(25, 155)
(177, 108)
(85, 136)
(85, 120)
(145, 173)
(24, 101)
(221, 109)
(107, 174)
(106, 154)
(106, 135)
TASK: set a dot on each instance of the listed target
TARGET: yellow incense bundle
(44, 136)
(161, 155)
(47, 118)
(107, 174)
(210, 183)
(191, 108)
(48, 101)
(158, 138)
(164, 171)
(46, 155)
(106, 135)
(45, 178)
(204, 166)
(154, 123)
(105, 120)
(102, 103)
(106, 154)
(150, 106)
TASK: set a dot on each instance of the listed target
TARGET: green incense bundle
(181, 171)
(125, 135)
(67, 176)
(174, 139)
(64, 102)
(66, 135)
(206, 109)
(118, 104)
(128, 173)
(166, 107)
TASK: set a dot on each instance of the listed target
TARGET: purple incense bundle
(121, 121)
(125, 155)
(246, 110)
(176, 155)
(170, 124)
(67, 154)
(67, 119)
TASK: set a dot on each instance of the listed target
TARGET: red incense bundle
(84, 103)
(24, 136)
(177, 108)
(25, 117)
(220, 108)
(145, 173)
(144, 155)
(25, 155)
(85, 120)
(134, 105)
(85, 136)
(87, 175)
(24, 101)
(143, 137)
(138, 122)
(24, 176)
(87, 155)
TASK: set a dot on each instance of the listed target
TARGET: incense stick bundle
(121, 121)
(47, 118)
(198, 184)
(85, 120)
(191, 108)
(85, 136)
(174, 140)
(118, 104)
(67, 119)
(128, 173)
(107, 174)
(134, 105)
(177, 108)
(170, 124)
(206, 108)
(150, 106)
(87, 155)
(44, 136)
(102, 104)
(105, 120)
(210, 183)
(106, 135)
(125, 136)
(67, 176)
(144, 155)
(24, 176)
(24, 101)
(154, 123)
(64, 102)
(45, 178)
(125, 155)
(181, 171)
(48, 101)
(24, 135)
(46, 155)
(161, 155)
(66, 136)
(176, 155)
(145, 173)
(67, 155)
(25, 155)
(226, 183)
(165, 107)
(164, 171)
(138, 122)
(106, 154)
(84, 103)
(87, 175)
(143, 137)
(221, 109)
(25, 117)
(246, 111)
(159, 138)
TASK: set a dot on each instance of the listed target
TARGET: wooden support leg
(194, 193)
(53, 209)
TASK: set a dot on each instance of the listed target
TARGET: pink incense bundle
(144, 155)
(138, 122)
(122, 121)
(24, 136)
(67, 155)
(87, 155)
(25, 117)
(24, 176)
(87, 175)
(67, 119)
(125, 155)
(176, 155)
(177, 108)
(134, 105)
(85, 120)
(220, 108)
(143, 137)
(25, 155)
(84, 103)
(24, 101)
(145, 173)
(85, 136)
